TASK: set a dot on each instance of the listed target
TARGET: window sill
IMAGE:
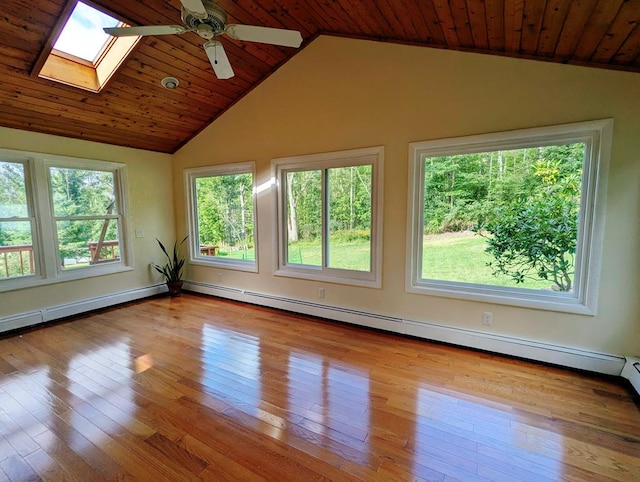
(77, 274)
(520, 297)
(324, 277)
(226, 263)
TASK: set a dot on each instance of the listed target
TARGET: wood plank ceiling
(134, 110)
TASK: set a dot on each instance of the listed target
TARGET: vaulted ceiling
(135, 110)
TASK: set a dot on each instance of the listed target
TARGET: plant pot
(175, 288)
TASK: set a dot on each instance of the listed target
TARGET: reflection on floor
(198, 388)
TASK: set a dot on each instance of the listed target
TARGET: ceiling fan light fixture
(170, 83)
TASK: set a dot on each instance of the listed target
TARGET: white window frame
(190, 176)
(597, 137)
(373, 156)
(44, 233)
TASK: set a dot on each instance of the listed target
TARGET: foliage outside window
(329, 216)
(60, 218)
(221, 206)
(511, 218)
(16, 222)
(86, 216)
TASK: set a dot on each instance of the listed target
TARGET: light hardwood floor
(198, 388)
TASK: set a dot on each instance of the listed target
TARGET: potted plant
(172, 269)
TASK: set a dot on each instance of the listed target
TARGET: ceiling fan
(208, 20)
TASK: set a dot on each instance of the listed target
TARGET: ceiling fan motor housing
(216, 18)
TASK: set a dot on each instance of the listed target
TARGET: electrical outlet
(139, 233)
(487, 318)
(320, 292)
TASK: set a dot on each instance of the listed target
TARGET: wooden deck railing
(23, 251)
(107, 253)
(208, 250)
(21, 263)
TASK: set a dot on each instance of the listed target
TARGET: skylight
(79, 53)
(82, 35)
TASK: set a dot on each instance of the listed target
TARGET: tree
(13, 204)
(304, 205)
(349, 192)
(536, 236)
(78, 193)
(225, 211)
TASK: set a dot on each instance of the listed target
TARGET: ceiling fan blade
(196, 7)
(218, 58)
(142, 31)
(267, 35)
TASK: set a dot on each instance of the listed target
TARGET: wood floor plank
(200, 388)
(15, 468)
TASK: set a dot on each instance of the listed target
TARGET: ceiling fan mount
(208, 20)
(216, 18)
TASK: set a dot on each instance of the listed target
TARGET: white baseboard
(347, 315)
(23, 320)
(506, 345)
(522, 348)
(631, 372)
(529, 349)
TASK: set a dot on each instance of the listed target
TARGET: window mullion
(87, 218)
(325, 218)
(36, 228)
(45, 241)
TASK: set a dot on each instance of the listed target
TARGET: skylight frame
(87, 20)
(69, 69)
(99, 57)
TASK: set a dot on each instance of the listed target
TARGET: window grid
(43, 222)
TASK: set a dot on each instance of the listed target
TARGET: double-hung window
(222, 216)
(330, 216)
(86, 214)
(60, 218)
(512, 218)
(17, 221)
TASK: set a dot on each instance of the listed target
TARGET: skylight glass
(82, 35)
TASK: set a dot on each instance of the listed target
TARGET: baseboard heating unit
(631, 372)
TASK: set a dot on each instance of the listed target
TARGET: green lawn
(248, 254)
(353, 255)
(461, 257)
(450, 257)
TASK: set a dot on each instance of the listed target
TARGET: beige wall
(149, 177)
(340, 93)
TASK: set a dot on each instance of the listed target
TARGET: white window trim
(597, 136)
(44, 236)
(190, 175)
(367, 155)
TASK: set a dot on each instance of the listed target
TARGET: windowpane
(330, 216)
(349, 190)
(515, 217)
(13, 193)
(225, 216)
(82, 35)
(16, 249)
(84, 243)
(42, 241)
(82, 192)
(304, 217)
(504, 217)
